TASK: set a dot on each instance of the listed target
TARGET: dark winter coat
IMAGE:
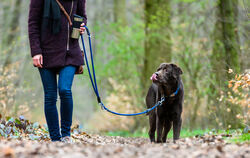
(58, 50)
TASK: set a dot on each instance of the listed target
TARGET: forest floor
(20, 138)
(96, 146)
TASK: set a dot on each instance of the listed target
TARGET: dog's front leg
(159, 118)
(177, 127)
(166, 129)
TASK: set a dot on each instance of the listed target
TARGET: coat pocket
(51, 41)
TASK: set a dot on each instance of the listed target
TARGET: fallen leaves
(8, 152)
(220, 148)
(175, 146)
(21, 138)
(96, 146)
(20, 128)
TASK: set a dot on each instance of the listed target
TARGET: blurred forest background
(208, 39)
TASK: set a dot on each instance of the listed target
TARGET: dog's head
(166, 74)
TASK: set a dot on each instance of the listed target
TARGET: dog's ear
(176, 69)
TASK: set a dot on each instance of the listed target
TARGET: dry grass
(9, 91)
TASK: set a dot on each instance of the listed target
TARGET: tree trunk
(226, 47)
(13, 29)
(5, 16)
(120, 11)
(225, 54)
(157, 42)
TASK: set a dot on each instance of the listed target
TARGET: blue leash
(94, 84)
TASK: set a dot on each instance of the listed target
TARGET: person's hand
(82, 28)
(38, 60)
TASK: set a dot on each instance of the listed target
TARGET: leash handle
(87, 29)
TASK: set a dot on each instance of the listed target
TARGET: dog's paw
(158, 141)
(152, 141)
(175, 141)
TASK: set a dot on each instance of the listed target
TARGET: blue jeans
(49, 80)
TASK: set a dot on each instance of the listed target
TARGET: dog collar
(176, 92)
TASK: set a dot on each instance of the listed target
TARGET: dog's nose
(157, 74)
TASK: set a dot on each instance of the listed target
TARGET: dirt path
(96, 146)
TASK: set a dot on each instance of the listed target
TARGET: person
(54, 52)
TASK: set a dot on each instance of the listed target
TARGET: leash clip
(161, 101)
(101, 106)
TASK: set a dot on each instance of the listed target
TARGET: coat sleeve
(81, 10)
(34, 26)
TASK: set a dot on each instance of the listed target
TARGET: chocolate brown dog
(166, 83)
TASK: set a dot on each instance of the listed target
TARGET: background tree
(226, 47)
(157, 42)
(225, 54)
(12, 27)
(120, 12)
